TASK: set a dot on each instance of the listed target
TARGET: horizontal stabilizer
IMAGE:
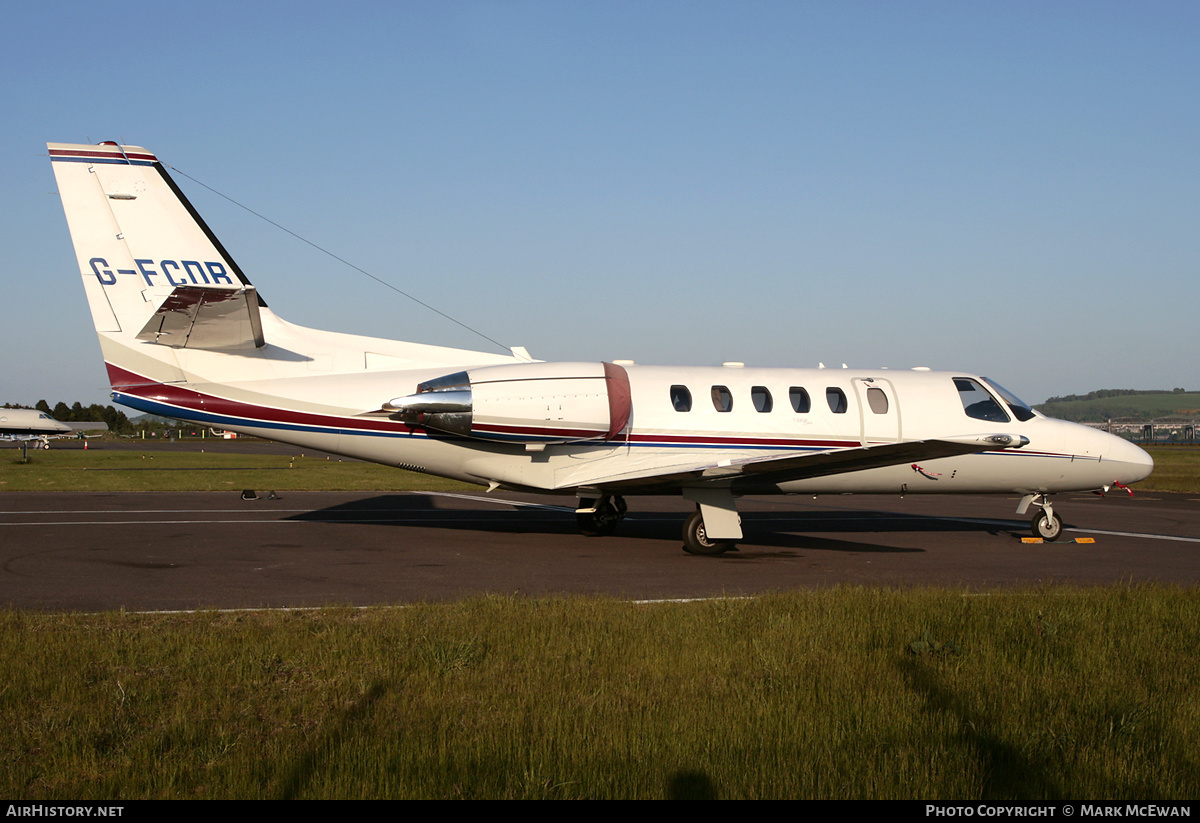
(207, 318)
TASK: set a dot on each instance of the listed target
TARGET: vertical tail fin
(136, 236)
(152, 269)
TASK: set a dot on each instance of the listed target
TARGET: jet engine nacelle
(523, 403)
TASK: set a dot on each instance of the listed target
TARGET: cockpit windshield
(1020, 409)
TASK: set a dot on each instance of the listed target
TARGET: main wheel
(603, 521)
(695, 540)
(1049, 527)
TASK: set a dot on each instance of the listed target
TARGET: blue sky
(1008, 188)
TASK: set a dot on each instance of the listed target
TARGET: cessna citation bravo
(185, 335)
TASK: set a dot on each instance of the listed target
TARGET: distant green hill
(1099, 406)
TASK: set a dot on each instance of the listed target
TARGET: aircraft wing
(748, 475)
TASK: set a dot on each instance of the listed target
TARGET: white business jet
(185, 335)
(27, 426)
(31, 424)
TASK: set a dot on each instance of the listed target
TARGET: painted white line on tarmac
(1137, 534)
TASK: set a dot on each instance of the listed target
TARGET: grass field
(1176, 469)
(1050, 694)
(1142, 406)
(158, 470)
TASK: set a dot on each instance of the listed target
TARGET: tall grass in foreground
(1049, 694)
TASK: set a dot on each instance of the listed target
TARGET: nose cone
(1128, 462)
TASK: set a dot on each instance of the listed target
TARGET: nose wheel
(1046, 524)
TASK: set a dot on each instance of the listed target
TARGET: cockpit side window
(977, 403)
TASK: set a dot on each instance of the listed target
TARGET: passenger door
(878, 410)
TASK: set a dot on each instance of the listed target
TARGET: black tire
(1047, 527)
(695, 541)
(603, 521)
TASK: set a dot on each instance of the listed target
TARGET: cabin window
(977, 403)
(761, 396)
(877, 400)
(799, 399)
(836, 398)
(681, 398)
(722, 398)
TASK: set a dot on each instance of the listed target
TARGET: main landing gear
(1046, 524)
(696, 540)
(715, 527)
(601, 517)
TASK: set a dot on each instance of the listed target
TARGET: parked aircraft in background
(30, 424)
(185, 335)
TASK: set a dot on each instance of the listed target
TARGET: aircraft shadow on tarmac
(783, 531)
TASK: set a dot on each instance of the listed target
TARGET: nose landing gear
(1046, 524)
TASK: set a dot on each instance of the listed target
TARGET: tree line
(1105, 393)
